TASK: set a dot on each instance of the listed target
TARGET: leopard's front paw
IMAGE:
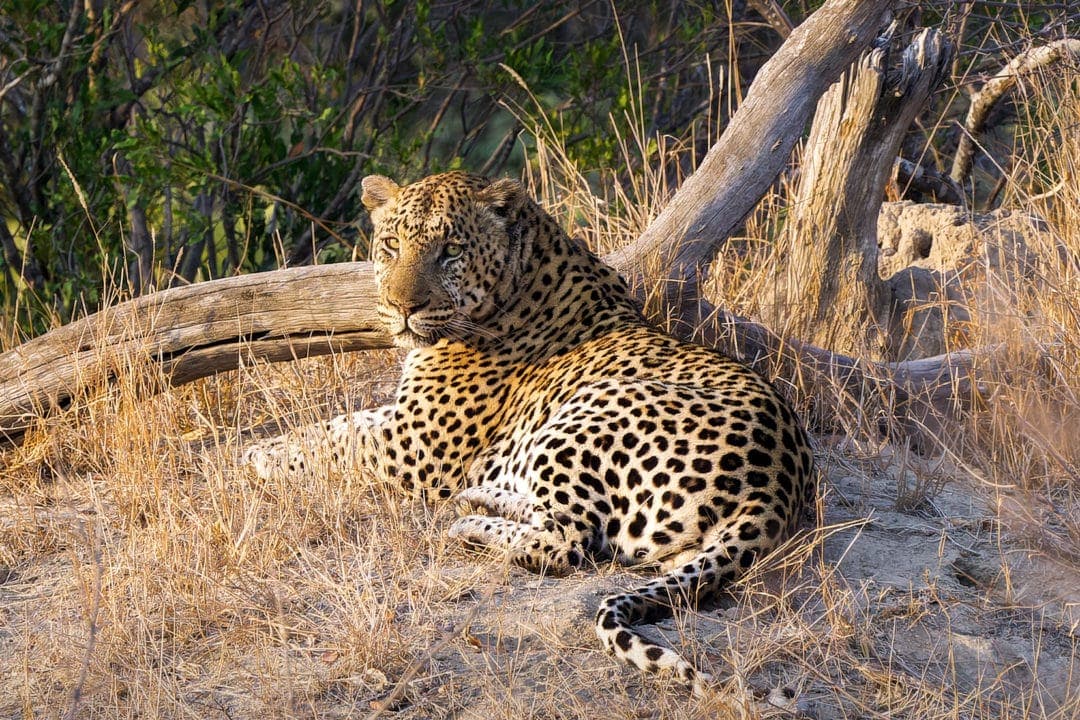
(508, 504)
(471, 530)
(489, 531)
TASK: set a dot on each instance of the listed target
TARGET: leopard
(571, 429)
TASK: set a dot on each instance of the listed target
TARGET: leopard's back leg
(529, 536)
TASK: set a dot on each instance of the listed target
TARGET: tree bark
(754, 148)
(830, 278)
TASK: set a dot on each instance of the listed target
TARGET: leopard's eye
(452, 251)
(391, 244)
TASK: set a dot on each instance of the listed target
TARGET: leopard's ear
(377, 191)
(503, 196)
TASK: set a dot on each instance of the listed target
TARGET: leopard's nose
(409, 306)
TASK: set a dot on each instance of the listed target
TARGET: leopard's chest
(458, 400)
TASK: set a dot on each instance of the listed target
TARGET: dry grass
(143, 573)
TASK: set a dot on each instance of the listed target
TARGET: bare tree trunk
(830, 278)
(139, 242)
(755, 147)
(24, 266)
(192, 248)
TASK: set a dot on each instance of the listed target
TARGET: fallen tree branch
(1005, 80)
(916, 397)
(193, 332)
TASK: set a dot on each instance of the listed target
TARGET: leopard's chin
(410, 340)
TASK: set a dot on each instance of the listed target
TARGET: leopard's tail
(700, 578)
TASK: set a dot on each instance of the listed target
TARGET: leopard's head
(447, 252)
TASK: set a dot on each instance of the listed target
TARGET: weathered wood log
(915, 398)
(193, 332)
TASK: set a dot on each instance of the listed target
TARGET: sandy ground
(931, 595)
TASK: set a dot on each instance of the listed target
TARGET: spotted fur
(535, 390)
